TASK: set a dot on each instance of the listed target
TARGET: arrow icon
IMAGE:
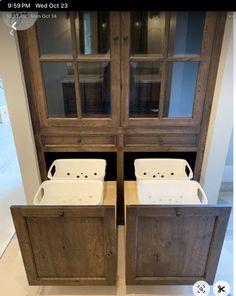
(13, 25)
(14, 28)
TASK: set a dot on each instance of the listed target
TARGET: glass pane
(179, 102)
(59, 85)
(147, 32)
(93, 32)
(145, 84)
(95, 94)
(54, 33)
(186, 30)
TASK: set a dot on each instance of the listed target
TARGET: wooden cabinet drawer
(183, 247)
(161, 140)
(93, 140)
(74, 250)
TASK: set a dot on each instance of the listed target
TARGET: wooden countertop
(130, 193)
(109, 193)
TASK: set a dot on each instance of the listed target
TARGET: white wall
(229, 159)
(2, 95)
(228, 169)
(14, 87)
(221, 120)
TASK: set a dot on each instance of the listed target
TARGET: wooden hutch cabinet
(126, 84)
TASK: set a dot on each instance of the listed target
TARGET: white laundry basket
(70, 192)
(77, 169)
(162, 168)
(169, 192)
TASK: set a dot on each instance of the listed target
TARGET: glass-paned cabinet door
(59, 89)
(179, 97)
(54, 34)
(166, 58)
(78, 56)
(147, 32)
(145, 80)
(95, 88)
(186, 32)
(93, 32)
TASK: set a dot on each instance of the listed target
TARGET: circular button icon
(201, 288)
(221, 288)
(20, 20)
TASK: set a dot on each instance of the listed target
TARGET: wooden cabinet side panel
(24, 40)
(211, 80)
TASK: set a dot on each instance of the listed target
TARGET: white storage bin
(169, 192)
(69, 192)
(162, 168)
(71, 169)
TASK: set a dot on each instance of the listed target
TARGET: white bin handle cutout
(39, 195)
(50, 176)
(202, 196)
(190, 176)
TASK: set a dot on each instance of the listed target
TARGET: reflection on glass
(54, 33)
(94, 80)
(186, 30)
(145, 84)
(147, 32)
(59, 86)
(93, 32)
(179, 102)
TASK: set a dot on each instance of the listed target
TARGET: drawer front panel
(182, 247)
(161, 140)
(71, 245)
(79, 140)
